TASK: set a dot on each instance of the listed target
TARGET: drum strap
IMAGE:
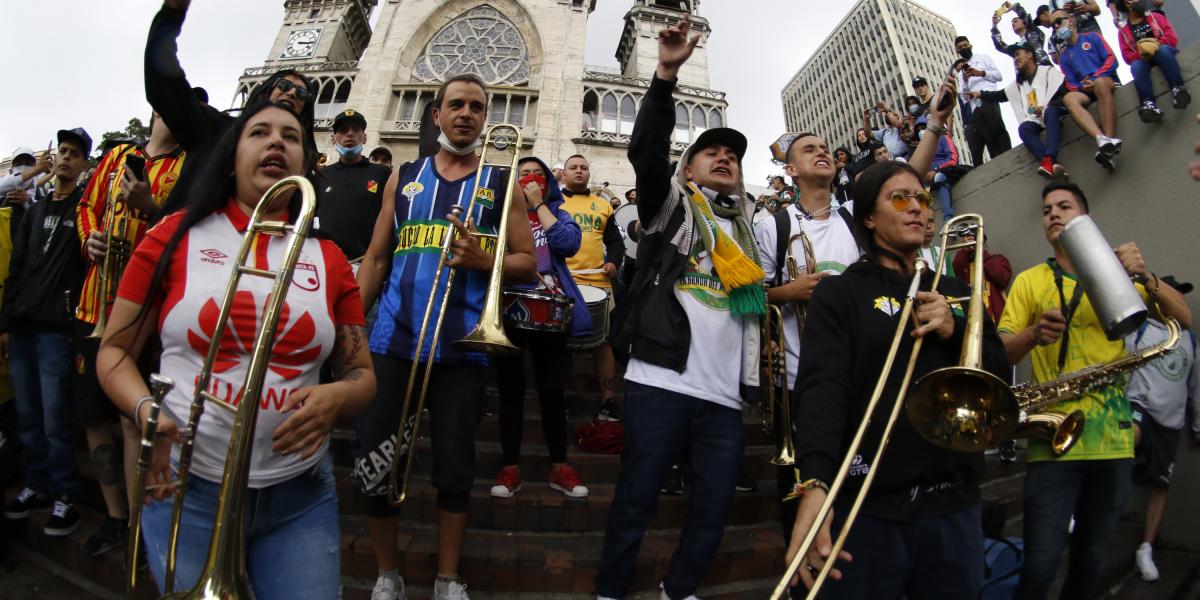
(1068, 310)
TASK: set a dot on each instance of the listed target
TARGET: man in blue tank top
(404, 251)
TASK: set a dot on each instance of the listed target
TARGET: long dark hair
(216, 186)
(262, 94)
(866, 196)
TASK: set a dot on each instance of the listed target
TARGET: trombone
(986, 393)
(224, 574)
(488, 335)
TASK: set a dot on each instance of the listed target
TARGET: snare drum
(597, 305)
(532, 310)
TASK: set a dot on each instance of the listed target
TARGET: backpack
(1002, 559)
(783, 231)
(601, 437)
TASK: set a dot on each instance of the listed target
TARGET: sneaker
(1150, 112)
(1180, 97)
(566, 480)
(508, 482)
(1046, 169)
(746, 485)
(449, 589)
(609, 411)
(1106, 161)
(26, 502)
(673, 484)
(387, 588)
(64, 519)
(1143, 562)
(112, 533)
(1110, 146)
(1060, 172)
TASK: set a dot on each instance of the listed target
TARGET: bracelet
(1153, 292)
(801, 487)
(137, 410)
(936, 129)
(539, 205)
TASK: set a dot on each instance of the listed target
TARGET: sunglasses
(900, 200)
(285, 86)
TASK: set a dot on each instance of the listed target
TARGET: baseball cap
(349, 117)
(721, 136)
(22, 150)
(918, 80)
(77, 135)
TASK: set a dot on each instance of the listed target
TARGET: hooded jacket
(563, 238)
(851, 321)
(44, 274)
(1163, 32)
(650, 324)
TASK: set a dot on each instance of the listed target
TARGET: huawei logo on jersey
(212, 255)
(293, 339)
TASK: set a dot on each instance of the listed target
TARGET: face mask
(965, 53)
(1063, 33)
(914, 110)
(921, 134)
(351, 153)
(455, 150)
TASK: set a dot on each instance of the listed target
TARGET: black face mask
(965, 53)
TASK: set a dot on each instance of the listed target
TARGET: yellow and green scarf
(740, 275)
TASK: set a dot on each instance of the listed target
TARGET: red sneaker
(508, 482)
(567, 481)
(1047, 168)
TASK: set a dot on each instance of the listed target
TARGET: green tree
(134, 131)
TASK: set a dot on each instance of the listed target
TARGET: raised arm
(167, 87)
(922, 157)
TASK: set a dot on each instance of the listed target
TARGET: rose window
(482, 42)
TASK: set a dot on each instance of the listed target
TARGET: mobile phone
(873, 110)
(947, 99)
(136, 166)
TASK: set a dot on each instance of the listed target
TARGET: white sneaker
(1110, 146)
(387, 589)
(666, 597)
(1143, 561)
(449, 590)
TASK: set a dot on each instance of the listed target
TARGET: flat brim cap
(722, 136)
(350, 117)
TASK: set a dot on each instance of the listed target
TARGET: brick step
(538, 508)
(360, 589)
(497, 561)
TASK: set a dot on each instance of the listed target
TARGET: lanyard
(1068, 311)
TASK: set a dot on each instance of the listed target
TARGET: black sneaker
(26, 502)
(673, 484)
(1008, 452)
(1150, 112)
(1180, 97)
(112, 533)
(64, 519)
(609, 411)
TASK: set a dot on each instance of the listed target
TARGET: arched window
(591, 109)
(715, 120)
(482, 42)
(699, 122)
(608, 113)
(682, 133)
(324, 98)
(628, 113)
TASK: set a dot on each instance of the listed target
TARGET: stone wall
(1149, 199)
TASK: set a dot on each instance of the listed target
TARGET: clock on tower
(301, 43)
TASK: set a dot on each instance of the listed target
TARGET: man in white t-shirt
(828, 229)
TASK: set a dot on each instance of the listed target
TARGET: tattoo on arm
(349, 342)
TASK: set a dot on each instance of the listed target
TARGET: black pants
(551, 361)
(986, 128)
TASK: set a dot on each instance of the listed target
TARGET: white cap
(22, 150)
(557, 167)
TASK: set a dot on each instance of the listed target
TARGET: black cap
(918, 80)
(721, 136)
(77, 135)
(349, 117)
(201, 94)
(1181, 287)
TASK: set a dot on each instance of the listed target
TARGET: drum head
(592, 294)
(624, 217)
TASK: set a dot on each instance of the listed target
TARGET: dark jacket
(650, 324)
(1034, 38)
(43, 280)
(851, 321)
(563, 238)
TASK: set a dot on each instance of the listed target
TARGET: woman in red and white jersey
(173, 286)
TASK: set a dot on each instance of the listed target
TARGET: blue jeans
(1094, 491)
(1165, 59)
(40, 365)
(895, 559)
(659, 427)
(292, 543)
(941, 189)
(1031, 133)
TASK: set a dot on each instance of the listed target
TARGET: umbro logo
(214, 256)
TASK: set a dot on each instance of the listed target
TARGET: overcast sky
(79, 62)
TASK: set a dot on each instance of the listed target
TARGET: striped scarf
(740, 275)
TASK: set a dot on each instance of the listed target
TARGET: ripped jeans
(292, 542)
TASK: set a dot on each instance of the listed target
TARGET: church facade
(530, 52)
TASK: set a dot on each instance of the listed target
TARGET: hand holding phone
(136, 166)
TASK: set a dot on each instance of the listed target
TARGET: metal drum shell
(1112, 294)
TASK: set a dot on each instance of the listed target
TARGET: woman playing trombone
(171, 287)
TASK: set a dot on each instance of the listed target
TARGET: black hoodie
(850, 324)
(46, 269)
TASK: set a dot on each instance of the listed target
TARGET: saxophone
(116, 228)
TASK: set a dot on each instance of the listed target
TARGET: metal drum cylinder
(1108, 286)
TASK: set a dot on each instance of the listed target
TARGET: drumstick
(587, 272)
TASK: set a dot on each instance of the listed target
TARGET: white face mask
(452, 149)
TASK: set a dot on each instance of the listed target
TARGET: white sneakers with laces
(388, 589)
(449, 589)
(1143, 561)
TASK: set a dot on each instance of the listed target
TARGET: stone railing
(325, 67)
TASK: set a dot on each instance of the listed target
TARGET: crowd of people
(118, 273)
